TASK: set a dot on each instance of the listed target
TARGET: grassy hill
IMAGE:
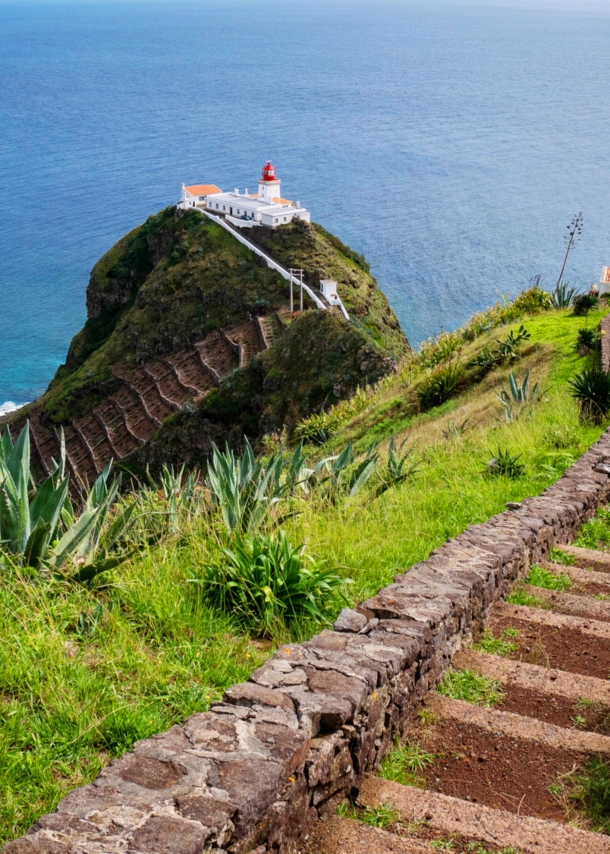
(86, 670)
(178, 280)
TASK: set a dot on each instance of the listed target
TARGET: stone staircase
(144, 397)
(497, 780)
(269, 327)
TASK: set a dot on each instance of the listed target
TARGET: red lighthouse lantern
(269, 172)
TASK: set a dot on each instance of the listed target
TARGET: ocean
(451, 144)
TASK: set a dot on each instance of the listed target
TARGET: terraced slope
(502, 773)
(144, 396)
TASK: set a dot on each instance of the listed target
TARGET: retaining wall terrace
(253, 774)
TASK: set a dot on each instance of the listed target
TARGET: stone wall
(252, 774)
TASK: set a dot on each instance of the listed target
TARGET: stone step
(588, 558)
(545, 680)
(570, 603)
(580, 576)
(543, 637)
(452, 816)
(337, 835)
(538, 616)
(518, 727)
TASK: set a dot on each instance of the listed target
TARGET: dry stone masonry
(255, 772)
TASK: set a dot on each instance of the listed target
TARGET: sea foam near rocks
(9, 406)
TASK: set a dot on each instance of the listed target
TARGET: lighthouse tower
(269, 185)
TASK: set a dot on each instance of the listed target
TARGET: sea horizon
(449, 143)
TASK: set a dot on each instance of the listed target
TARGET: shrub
(486, 358)
(265, 584)
(583, 304)
(453, 430)
(533, 301)
(506, 465)
(586, 341)
(591, 388)
(439, 386)
(438, 349)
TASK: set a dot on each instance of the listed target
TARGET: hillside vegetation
(88, 668)
(178, 277)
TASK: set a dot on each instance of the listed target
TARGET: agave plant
(591, 388)
(343, 474)
(38, 526)
(563, 295)
(248, 490)
(400, 465)
(517, 393)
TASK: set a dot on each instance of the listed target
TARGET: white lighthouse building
(246, 210)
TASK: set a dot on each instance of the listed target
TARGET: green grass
(589, 789)
(71, 700)
(562, 558)
(405, 763)
(520, 596)
(503, 645)
(595, 534)
(538, 576)
(471, 687)
(381, 817)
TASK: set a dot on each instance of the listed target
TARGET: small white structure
(246, 210)
(604, 281)
(195, 195)
(329, 291)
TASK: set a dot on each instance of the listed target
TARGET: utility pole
(291, 271)
(574, 230)
(294, 272)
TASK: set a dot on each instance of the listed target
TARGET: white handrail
(270, 262)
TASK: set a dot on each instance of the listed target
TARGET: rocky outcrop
(254, 773)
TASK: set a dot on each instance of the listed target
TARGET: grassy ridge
(80, 683)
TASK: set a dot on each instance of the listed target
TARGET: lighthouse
(245, 210)
(269, 185)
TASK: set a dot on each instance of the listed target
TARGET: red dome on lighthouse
(269, 172)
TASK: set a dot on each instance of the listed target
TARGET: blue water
(450, 144)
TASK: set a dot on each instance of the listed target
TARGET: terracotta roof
(202, 189)
(279, 201)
